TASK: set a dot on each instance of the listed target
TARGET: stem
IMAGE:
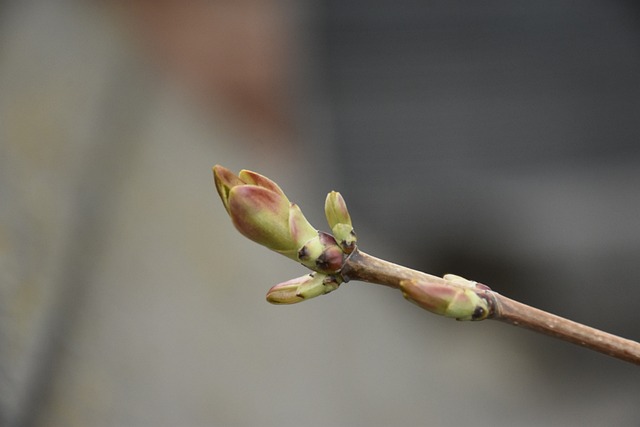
(366, 268)
(518, 314)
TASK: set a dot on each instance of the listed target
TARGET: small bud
(302, 288)
(311, 290)
(335, 209)
(450, 300)
(287, 292)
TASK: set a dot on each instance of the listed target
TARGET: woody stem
(363, 267)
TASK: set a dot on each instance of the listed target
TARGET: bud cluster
(261, 211)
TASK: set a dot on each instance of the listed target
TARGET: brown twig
(363, 267)
(518, 314)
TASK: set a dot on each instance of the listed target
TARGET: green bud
(322, 285)
(450, 299)
(335, 209)
(287, 292)
(302, 288)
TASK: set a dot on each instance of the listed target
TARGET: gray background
(495, 140)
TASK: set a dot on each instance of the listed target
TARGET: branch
(366, 268)
(260, 210)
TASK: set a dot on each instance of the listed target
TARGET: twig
(261, 211)
(518, 314)
(366, 268)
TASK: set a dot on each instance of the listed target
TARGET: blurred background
(494, 140)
